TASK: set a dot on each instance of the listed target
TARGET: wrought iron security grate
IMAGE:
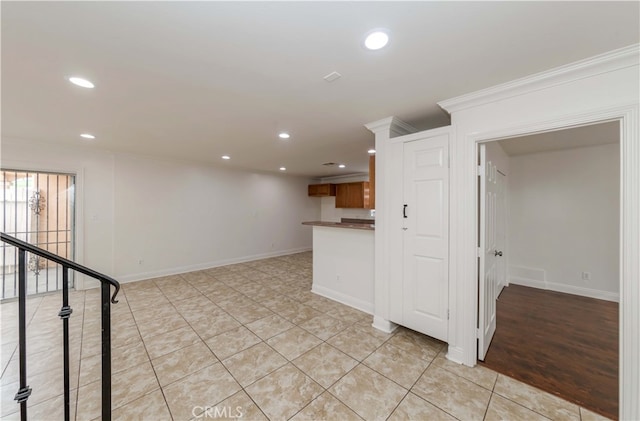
(38, 208)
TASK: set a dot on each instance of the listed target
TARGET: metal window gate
(37, 208)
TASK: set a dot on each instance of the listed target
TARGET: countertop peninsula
(360, 224)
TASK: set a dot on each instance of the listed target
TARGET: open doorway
(556, 323)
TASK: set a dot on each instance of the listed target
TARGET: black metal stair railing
(106, 283)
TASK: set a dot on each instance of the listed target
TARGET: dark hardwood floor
(564, 344)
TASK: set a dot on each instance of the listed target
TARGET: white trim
(383, 325)
(528, 282)
(603, 63)
(630, 265)
(343, 298)
(381, 292)
(585, 292)
(392, 125)
(455, 354)
(567, 289)
(124, 279)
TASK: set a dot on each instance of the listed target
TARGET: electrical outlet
(586, 276)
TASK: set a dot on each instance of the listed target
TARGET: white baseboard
(528, 282)
(568, 289)
(384, 325)
(455, 354)
(537, 278)
(190, 268)
(343, 298)
(585, 292)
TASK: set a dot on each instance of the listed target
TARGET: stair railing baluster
(24, 391)
(106, 283)
(106, 353)
(65, 313)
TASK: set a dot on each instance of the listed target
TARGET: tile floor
(251, 341)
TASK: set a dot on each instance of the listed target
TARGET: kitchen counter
(344, 224)
(343, 261)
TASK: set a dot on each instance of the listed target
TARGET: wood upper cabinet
(372, 181)
(322, 190)
(353, 195)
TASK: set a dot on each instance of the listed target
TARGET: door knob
(497, 253)
(404, 228)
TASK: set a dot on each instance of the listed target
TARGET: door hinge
(479, 251)
(480, 170)
(478, 333)
(447, 314)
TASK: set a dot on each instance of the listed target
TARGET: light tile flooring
(251, 341)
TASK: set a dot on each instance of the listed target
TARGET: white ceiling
(577, 137)
(196, 80)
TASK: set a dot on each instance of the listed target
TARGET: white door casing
(488, 252)
(425, 286)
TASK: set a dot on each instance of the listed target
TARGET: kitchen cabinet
(322, 190)
(353, 195)
(372, 182)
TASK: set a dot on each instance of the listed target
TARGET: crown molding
(391, 124)
(610, 61)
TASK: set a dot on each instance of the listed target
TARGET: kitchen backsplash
(329, 212)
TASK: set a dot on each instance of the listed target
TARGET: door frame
(78, 225)
(629, 314)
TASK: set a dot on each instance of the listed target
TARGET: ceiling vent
(332, 76)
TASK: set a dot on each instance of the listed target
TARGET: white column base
(383, 324)
(456, 355)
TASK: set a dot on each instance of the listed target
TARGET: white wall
(328, 210)
(174, 216)
(564, 220)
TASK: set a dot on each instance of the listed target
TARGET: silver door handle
(497, 253)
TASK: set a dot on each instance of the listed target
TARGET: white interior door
(426, 236)
(488, 252)
(501, 231)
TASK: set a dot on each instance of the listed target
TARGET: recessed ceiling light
(226, 157)
(283, 169)
(284, 135)
(87, 136)
(81, 82)
(376, 39)
(371, 151)
(341, 166)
